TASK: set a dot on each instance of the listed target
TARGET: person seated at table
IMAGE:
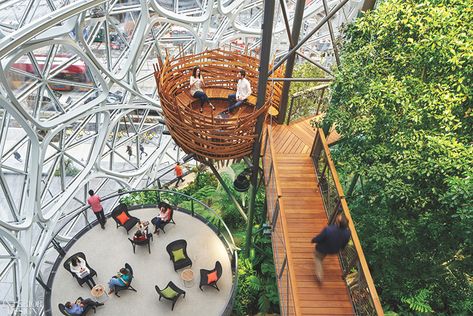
(121, 279)
(79, 306)
(141, 235)
(164, 216)
(79, 267)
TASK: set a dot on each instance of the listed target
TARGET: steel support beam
(368, 5)
(282, 3)
(308, 36)
(303, 79)
(332, 35)
(262, 81)
(315, 63)
(296, 31)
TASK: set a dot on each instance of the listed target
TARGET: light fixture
(242, 181)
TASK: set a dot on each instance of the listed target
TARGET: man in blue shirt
(331, 240)
(79, 306)
(74, 309)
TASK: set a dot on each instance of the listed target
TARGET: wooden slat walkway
(302, 206)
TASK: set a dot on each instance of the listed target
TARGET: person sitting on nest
(197, 91)
(164, 216)
(243, 92)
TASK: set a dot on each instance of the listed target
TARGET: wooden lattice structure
(208, 135)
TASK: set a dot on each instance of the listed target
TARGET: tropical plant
(402, 101)
(70, 170)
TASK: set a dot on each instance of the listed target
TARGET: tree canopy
(402, 101)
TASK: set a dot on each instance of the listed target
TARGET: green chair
(170, 292)
(177, 251)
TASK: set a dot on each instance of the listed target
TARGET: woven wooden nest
(207, 135)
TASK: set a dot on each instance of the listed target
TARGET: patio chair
(126, 287)
(81, 281)
(177, 251)
(123, 218)
(145, 242)
(170, 292)
(211, 277)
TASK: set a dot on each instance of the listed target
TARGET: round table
(187, 277)
(99, 293)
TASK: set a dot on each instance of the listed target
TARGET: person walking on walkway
(242, 93)
(331, 240)
(142, 151)
(179, 173)
(129, 151)
(94, 202)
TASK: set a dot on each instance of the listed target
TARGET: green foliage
(248, 288)
(419, 303)
(402, 100)
(140, 198)
(257, 288)
(69, 168)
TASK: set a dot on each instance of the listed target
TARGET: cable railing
(196, 209)
(354, 266)
(282, 255)
(307, 103)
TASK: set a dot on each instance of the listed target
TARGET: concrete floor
(108, 250)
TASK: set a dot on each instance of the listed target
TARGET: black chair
(62, 308)
(144, 242)
(129, 223)
(204, 276)
(126, 287)
(81, 281)
(170, 292)
(177, 251)
(161, 225)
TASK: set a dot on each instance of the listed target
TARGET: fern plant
(420, 302)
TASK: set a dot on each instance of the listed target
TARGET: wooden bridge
(298, 208)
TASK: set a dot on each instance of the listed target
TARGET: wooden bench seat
(186, 99)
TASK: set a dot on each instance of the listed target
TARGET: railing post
(275, 215)
(58, 248)
(289, 114)
(41, 282)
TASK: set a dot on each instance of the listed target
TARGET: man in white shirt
(242, 93)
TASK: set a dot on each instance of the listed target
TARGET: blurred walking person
(331, 240)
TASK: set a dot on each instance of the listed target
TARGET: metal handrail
(355, 268)
(285, 270)
(310, 95)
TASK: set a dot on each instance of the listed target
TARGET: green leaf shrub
(402, 101)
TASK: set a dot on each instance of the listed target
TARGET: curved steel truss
(79, 108)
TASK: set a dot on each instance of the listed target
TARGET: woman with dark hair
(121, 279)
(196, 85)
(165, 212)
(79, 267)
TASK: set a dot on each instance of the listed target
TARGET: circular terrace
(108, 250)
